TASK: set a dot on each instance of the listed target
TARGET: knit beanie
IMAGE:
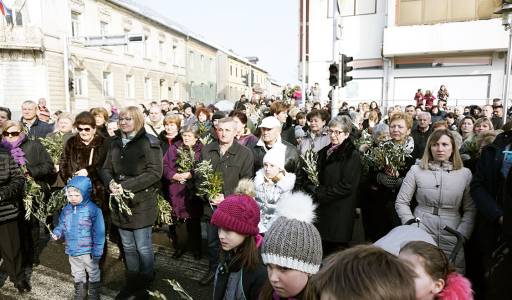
(276, 157)
(239, 213)
(293, 241)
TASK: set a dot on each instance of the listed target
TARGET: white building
(400, 46)
(43, 54)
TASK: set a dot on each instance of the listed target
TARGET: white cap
(270, 122)
(276, 157)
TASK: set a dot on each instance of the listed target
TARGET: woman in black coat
(36, 163)
(339, 168)
(134, 163)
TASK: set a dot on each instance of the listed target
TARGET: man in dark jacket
(421, 133)
(35, 127)
(235, 162)
(11, 187)
(486, 190)
(270, 138)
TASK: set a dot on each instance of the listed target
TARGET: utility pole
(303, 52)
(506, 15)
(335, 58)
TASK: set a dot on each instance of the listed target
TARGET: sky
(267, 29)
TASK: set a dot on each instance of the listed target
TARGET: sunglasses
(11, 134)
(86, 129)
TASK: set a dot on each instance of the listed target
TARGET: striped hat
(293, 241)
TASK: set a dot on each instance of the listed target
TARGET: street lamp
(506, 20)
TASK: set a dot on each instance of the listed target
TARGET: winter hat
(293, 241)
(239, 213)
(275, 157)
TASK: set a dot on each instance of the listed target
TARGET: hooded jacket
(82, 225)
(269, 194)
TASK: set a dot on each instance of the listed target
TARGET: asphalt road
(52, 278)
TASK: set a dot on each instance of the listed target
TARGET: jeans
(212, 234)
(138, 250)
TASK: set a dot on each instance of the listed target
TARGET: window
(176, 91)
(161, 54)
(416, 12)
(231, 70)
(212, 67)
(236, 72)
(191, 59)
(103, 28)
(145, 46)
(163, 90)
(129, 91)
(147, 89)
(174, 51)
(75, 24)
(357, 7)
(79, 82)
(127, 47)
(202, 63)
(108, 88)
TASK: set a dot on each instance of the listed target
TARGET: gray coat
(443, 200)
(268, 194)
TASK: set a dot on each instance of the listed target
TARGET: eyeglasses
(336, 132)
(11, 134)
(86, 129)
(125, 119)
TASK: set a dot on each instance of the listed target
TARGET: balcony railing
(21, 37)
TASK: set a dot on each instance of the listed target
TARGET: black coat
(11, 187)
(137, 166)
(39, 163)
(336, 196)
(39, 129)
(252, 281)
(292, 163)
(235, 164)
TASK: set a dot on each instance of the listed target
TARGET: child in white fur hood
(272, 183)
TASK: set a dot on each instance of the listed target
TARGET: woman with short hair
(339, 170)
(100, 115)
(170, 135)
(187, 207)
(134, 163)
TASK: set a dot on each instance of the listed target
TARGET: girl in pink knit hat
(435, 277)
(240, 274)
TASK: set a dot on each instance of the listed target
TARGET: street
(52, 278)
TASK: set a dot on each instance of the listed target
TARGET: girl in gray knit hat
(292, 250)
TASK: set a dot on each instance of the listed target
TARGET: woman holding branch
(134, 167)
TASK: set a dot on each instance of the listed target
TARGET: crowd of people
(273, 230)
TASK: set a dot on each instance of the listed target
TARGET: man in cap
(271, 138)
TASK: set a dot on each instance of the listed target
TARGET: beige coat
(443, 200)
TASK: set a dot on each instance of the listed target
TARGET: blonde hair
(173, 119)
(135, 113)
(483, 120)
(401, 116)
(434, 137)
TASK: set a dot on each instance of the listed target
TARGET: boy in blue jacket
(81, 224)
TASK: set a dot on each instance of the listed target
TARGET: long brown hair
(434, 137)
(246, 255)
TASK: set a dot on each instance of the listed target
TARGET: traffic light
(344, 77)
(333, 74)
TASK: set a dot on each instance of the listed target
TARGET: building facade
(43, 54)
(400, 46)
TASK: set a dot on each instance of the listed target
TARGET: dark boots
(136, 287)
(94, 291)
(80, 291)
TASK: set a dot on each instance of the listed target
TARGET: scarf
(14, 148)
(457, 287)
(332, 149)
